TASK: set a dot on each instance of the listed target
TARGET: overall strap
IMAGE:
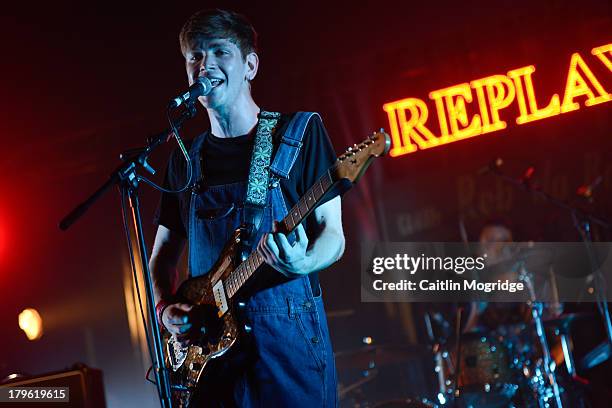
(284, 160)
(291, 143)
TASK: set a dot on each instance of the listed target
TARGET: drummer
(497, 241)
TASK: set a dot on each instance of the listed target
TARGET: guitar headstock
(356, 159)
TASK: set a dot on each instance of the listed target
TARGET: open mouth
(215, 82)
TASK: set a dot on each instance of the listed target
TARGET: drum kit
(529, 363)
(504, 367)
(523, 357)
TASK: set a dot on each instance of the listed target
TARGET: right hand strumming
(177, 320)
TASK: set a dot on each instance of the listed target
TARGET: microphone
(201, 87)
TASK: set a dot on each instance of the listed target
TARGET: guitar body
(212, 307)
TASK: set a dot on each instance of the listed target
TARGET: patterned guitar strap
(259, 176)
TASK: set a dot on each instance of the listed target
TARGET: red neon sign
(472, 109)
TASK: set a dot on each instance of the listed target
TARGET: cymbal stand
(582, 222)
(584, 228)
(457, 374)
(439, 355)
(568, 356)
(536, 311)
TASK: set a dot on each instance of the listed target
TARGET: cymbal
(570, 260)
(370, 357)
(344, 390)
(596, 356)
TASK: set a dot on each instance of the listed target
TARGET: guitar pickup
(220, 299)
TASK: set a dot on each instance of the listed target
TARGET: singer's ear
(252, 64)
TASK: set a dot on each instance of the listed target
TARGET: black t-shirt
(227, 160)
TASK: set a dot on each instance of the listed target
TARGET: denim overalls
(287, 359)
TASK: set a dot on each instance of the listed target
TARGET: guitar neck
(296, 215)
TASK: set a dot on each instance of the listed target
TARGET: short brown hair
(217, 23)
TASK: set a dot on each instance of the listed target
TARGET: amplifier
(86, 389)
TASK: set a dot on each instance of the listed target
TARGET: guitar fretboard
(297, 214)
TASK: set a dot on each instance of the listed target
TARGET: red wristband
(159, 310)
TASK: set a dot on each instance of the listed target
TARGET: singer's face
(221, 61)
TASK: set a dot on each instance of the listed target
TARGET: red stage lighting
(2, 239)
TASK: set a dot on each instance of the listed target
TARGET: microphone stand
(126, 177)
(584, 228)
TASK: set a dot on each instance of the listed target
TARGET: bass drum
(484, 362)
(487, 377)
(405, 403)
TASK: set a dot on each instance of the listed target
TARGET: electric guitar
(216, 291)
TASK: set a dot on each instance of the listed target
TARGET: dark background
(82, 82)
